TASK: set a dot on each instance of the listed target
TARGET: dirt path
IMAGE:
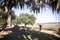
(50, 32)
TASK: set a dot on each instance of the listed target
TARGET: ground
(24, 33)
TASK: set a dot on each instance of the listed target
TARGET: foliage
(34, 4)
(26, 18)
(58, 31)
(35, 27)
(3, 17)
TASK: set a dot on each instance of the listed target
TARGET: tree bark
(57, 6)
(9, 20)
(9, 16)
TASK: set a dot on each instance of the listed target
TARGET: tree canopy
(34, 4)
(26, 18)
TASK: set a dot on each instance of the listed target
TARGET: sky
(44, 16)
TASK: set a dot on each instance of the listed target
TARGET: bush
(58, 32)
(35, 27)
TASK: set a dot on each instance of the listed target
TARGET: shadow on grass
(23, 33)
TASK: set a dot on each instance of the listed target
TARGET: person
(40, 26)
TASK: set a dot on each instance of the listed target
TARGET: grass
(54, 27)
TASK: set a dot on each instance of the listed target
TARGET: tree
(7, 5)
(3, 16)
(26, 19)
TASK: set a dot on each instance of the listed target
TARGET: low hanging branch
(7, 5)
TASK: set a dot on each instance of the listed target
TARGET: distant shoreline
(49, 23)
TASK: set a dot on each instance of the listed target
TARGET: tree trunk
(25, 25)
(57, 6)
(9, 20)
(9, 16)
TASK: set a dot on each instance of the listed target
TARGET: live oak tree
(26, 19)
(7, 5)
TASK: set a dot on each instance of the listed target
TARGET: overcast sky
(44, 16)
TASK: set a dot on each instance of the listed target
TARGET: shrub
(58, 32)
